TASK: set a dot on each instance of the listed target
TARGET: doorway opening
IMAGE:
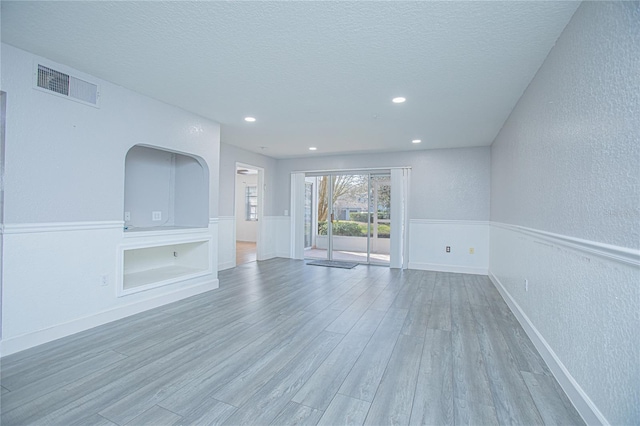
(248, 212)
(347, 217)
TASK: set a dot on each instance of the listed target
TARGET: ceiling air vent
(66, 85)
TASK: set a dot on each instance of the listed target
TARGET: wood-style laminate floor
(245, 252)
(285, 343)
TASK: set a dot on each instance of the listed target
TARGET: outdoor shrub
(345, 229)
(358, 217)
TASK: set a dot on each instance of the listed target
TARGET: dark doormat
(333, 264)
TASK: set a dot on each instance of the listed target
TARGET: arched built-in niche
(165, 190)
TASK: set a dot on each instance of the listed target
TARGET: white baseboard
(26, 341)
(268, 256)
(580, 400)
(226, 265)
(448, 268)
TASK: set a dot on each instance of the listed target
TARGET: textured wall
(451, 184)
(567, 161)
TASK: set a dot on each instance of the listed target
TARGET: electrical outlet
(472, 250)
(104, 280)
(448, 249)
(156, 216)
(526, 285)
(127, 215)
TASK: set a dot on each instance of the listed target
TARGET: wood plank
(512, 400)
(440, 312)
(473, 413)
(323, 302)
(105, 389)
(264, 406)
(198, 362)
(354, 294)
(395, 395)
(433, 401)
(155, 416)
(368, 322)
(320, 389)
(419, 312)
(406, 295)
(554, 408)
(208, 412)
(470, 382)
(44, 407)
(364, 378)
(345, 410)
(200, 387)
(253, 375)
(384, 301)
(93, 420)
(297, 415)
(475, 292)
(524, 353)
(50, 383)
(354, 312)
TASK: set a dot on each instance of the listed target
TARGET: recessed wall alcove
(164, 190)
(166, 213)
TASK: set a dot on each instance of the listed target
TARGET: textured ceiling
(312, 73)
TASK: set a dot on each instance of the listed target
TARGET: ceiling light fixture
(416, 141)
(312, 148)
(398, 100)
(250, 119)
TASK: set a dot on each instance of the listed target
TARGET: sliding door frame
(399, 258)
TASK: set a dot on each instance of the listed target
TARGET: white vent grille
(66, 85)
(53, 80)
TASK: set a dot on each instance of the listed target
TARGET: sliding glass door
(380, 218)
(351, 217)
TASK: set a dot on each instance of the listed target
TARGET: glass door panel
(308, 214)
(319, 247)
(348, 219)
(380, 206)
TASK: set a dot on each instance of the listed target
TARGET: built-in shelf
(161, 231)
(150, 264)
(166, 220)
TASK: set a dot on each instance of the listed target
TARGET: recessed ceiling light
(416, 141)
(398, 100)
(250, 119)
(312, 148)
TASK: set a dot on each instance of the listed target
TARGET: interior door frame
(260, 231)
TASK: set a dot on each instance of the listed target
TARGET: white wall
(448, 197)
(64, 201)
(450, 184)
(245, 229)
(565, 210)
(229, 156)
